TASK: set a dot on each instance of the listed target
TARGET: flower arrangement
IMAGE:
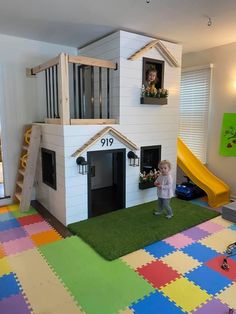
(152, 91)
(148, 177)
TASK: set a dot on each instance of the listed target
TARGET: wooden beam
(92, 121)
(166, 54)
(63, 89)
(29, 175)
(144, 49)
(52, 121)
(44, 66)
(93, 62)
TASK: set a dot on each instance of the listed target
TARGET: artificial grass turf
(124, 231)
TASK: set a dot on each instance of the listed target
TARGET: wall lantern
(133, 159)
(82, 165)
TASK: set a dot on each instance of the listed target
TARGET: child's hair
(164, 162)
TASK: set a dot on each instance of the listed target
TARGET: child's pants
(165, 203)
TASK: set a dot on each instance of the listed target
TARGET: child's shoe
(157, 213)
(169, 216)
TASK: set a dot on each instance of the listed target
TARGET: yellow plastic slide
(217, 191)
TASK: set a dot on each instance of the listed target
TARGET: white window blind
(194, 108)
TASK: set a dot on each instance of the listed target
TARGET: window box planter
(146, 185)
(153, 101)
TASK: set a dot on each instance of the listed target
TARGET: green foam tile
(98, 285)
(18, 214)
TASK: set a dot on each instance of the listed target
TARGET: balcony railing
(78, 89)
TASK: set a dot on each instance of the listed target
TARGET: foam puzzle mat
(40, 272)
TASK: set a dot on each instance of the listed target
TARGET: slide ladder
(217, 191)
(27, 166)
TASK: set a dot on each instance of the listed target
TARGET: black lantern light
(133, 159)
(82, 165)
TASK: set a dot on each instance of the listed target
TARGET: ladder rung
(21, 171)
(18, 196)
(20, 184)
(25, 147)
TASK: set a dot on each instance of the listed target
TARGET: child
(164, 184)
(151, 77)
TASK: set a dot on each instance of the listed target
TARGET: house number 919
(107, 141)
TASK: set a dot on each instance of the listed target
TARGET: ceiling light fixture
(209, 21)
(148, 1)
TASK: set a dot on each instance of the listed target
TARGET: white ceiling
(76, 22)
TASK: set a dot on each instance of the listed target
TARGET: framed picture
(153, 72)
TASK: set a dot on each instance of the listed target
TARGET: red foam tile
(158, 273)
(31, 219)
(216, 263)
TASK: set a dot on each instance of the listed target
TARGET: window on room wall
(195, 92)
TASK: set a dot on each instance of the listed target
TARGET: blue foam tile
(232, 227)
(156, 303)
(6, 216)
(208, 279)
(233, 257)
(159, 249)
(9, 224)
(8, 286)
(200, 252)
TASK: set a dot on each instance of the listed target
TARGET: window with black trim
(49, 167)
(150, 158)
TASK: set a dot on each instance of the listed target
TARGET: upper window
(194, 107)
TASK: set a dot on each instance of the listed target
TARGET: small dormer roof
(122, 138)
(161, 48)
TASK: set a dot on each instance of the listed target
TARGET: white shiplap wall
(53, 200)
(145, 125)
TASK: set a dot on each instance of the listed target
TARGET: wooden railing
(88, 100)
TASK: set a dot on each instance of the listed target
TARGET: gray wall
(223, 100)
(21, 99)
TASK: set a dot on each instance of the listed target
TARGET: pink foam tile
(19, 245)
(179, 240)
(210, 227)
(37, 227)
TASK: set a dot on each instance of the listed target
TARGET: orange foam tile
(4, 210)
(2, 253)
(45, 237)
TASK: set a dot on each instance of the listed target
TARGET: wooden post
(63, 89)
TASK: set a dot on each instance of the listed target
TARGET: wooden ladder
(27, 166)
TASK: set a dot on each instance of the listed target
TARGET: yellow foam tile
(221, 221)
(181, 262)
(228, 296)
(220, 240)
(185, 294)
(126, 311)
(137, 259)
(39, 283)
(4, 266)
(13, 207)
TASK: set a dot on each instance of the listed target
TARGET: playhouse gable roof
(122, 138)
(161, 48)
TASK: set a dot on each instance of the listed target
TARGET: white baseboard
(6, 201)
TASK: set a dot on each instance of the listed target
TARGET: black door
(106, 181)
